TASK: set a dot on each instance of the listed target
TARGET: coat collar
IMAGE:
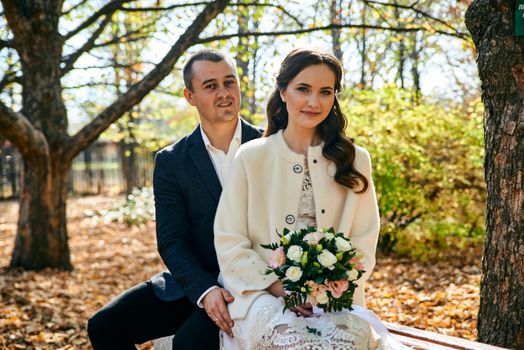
(285, 152)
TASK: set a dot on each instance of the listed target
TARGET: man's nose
(222, 92)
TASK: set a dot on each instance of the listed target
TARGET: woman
(304, 172)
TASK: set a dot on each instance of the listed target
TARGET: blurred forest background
(412, 98)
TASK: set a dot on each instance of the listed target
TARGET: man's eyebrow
(208, 81)
(214, 80)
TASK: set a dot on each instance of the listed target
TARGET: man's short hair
(202, 55)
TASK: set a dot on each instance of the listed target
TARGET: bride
(304, 172)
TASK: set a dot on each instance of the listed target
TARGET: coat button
(322, 211)
(290, 219)
(297, 168)
(315, 161)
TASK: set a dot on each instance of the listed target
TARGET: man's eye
(229, 82)
(211, 86)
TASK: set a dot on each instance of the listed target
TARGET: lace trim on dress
(306, 205)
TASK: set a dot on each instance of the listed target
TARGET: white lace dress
(266, 326)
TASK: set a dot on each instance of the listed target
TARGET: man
(187, 181)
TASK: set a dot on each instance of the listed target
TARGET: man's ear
(189, 96)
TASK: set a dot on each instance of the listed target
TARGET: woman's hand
(277, 290)
(305, 310)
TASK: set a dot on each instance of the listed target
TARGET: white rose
(352, 275)
(294, 253)
(343, 245)
(294, 273)
(326, 258)
(329, 235)
(322, 298)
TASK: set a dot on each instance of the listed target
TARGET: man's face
(216, 91)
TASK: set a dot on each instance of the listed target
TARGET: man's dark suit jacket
(187, 190)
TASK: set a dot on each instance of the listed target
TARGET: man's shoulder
(250, 131)
(175, 149)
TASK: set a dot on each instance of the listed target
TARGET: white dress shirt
(222, 163)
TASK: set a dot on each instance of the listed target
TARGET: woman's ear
(283, 95)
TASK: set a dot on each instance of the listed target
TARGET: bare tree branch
(18, 129)
(139, 90)
(329, 27)
(414, 9)
(236, 4)
(107, 10)
(88, 45)
(90, 84)
(9, 78)
(6, 43)
(74, 7)
(162, 8)
(117, 65)
(124, 38)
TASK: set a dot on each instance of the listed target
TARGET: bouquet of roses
(319, 267)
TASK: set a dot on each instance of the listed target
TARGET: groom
(188, 178)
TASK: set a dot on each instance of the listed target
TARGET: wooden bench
(424, 340)
(415, 338)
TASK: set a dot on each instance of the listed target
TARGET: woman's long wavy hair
(337, 147)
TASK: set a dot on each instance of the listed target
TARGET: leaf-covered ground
(49, 309)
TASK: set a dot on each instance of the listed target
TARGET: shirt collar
(237, 136)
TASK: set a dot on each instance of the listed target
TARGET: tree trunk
(41, 239)
(88, 169)
(127, 150)
(401, 55)
(501, 69)
(242, 61)
(335, 32)
(415, 61)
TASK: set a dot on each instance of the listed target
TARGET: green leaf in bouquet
(272, 246)
(294, 299)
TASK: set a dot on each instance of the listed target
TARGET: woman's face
(309, 97)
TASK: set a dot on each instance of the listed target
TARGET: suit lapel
(248, 131)
(204, 164)
(199, 156)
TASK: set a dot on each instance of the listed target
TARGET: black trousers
(138, 315)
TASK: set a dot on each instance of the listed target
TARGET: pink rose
(313, 237)
(357, 261)
(337, 288)
(277, 258)
(317, 290)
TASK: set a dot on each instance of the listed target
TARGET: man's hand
(216, 308)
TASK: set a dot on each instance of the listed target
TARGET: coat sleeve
(173, 232)
(241, 267)
(365, 229)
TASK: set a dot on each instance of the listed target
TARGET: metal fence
(96, 170)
